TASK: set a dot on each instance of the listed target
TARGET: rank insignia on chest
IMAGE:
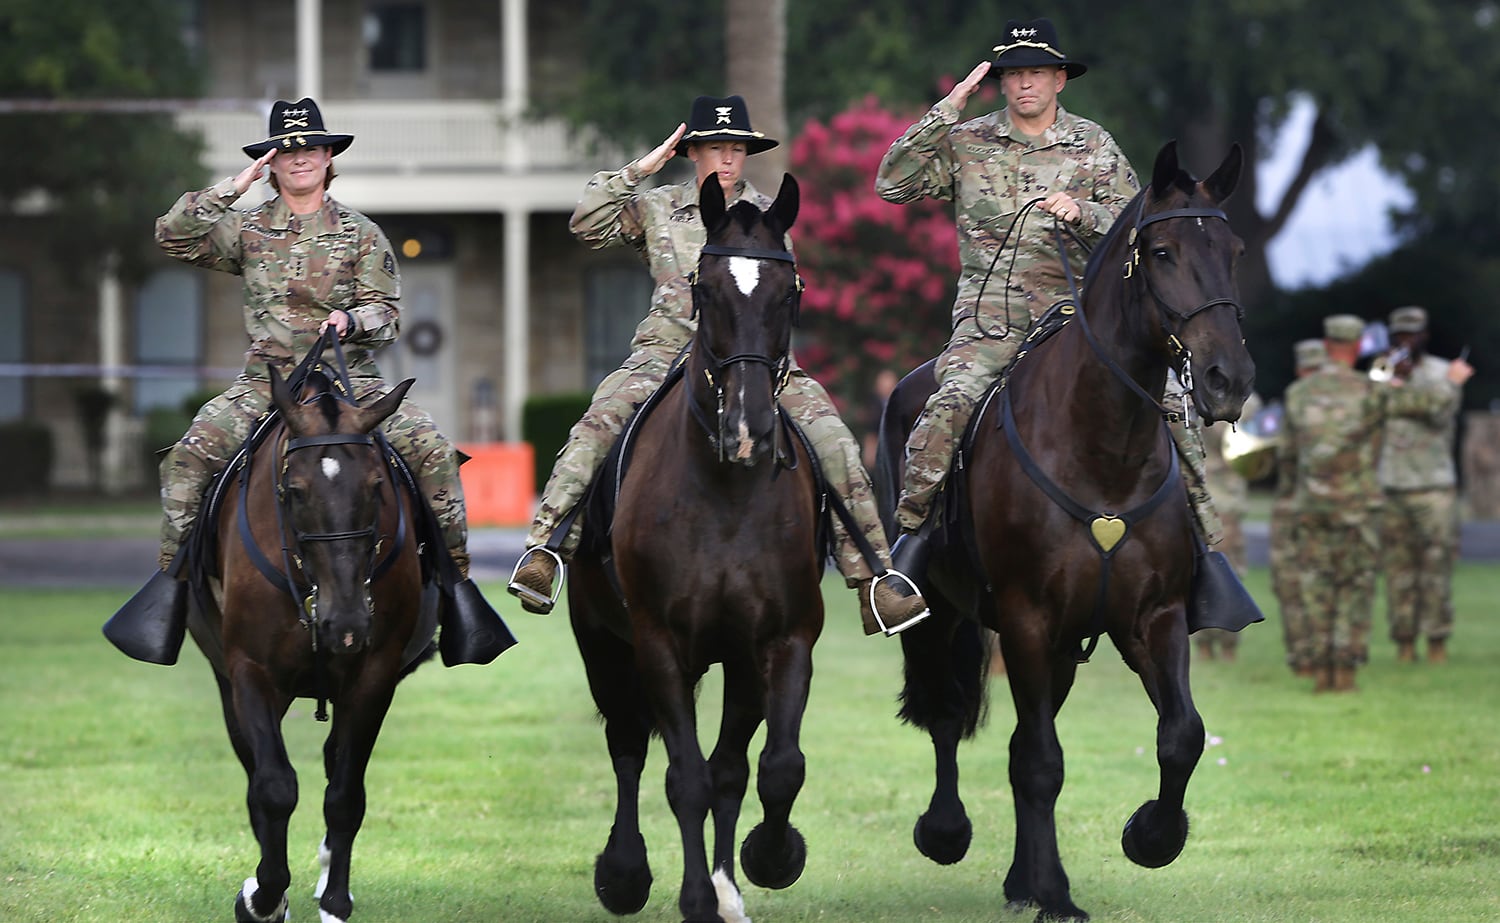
(389, 264)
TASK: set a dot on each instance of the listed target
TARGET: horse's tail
(947, 675)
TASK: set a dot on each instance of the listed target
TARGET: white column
(310, 48)
(514, 81)
(517, 327)
(112, 355)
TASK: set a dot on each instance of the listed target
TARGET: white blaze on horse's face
(746, 273)
(330, 468)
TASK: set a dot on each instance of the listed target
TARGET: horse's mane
(318, 390)
(747, 216)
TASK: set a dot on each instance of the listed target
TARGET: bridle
(715, 366)
(1181, 355)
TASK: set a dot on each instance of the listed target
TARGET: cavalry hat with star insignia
(727, 119)
(298, 124)
(1031, 44)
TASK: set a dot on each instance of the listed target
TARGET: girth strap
(1107, 530)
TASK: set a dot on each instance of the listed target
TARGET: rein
(303, 593)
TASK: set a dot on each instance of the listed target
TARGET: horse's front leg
(1155, 834)
(729, 766)
(357, 717)
(271, 795)
(690, 787)
(1040, 680)
(622, 874)
(775, 853)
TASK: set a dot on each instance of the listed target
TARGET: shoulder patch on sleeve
(389, 264)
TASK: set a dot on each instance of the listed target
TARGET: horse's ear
(1164, 174)
(711, 203)
(1221, 184)
(281, 394)
(373, 414)
(787, 202)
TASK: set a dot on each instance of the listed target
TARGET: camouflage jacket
(1335, 420)
(1418, 450)
(297, 270)
(989, 171)
(665, 228)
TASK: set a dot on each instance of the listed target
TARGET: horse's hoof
(243, 913)
(943, 845)
(768, 866)
(1153, 838)
(1067, 914)
(622, 888)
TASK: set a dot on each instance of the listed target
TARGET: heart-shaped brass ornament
(1107, 532)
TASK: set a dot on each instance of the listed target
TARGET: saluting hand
(960, 94)
(253, 172)
(658, 158)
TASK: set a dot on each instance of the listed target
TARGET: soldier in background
(1230, 490)
(1419, 526)
(1285, 550)
(1334, 422)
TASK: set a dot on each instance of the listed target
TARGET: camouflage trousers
(1419, 544)
(224, 423)
(1340, 551)
(1286, 582)
(1233, 546)
(964, 371)
(625, 389)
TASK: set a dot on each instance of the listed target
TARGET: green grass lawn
(490, 792)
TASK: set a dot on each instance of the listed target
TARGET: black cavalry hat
(1032, 44)
(297, 124)
(727, 119)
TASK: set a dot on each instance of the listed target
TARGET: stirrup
(893, 630)
(526, 593)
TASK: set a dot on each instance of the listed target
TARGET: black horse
(1072, 523)
(714, 545)
(312, 586)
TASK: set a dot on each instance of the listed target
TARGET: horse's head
(1185, 253)
(331, 486)
(745, 295)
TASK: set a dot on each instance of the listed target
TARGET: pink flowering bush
(880, 277)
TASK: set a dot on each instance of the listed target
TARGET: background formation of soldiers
(1365, 483)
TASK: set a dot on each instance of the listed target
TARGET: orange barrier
(498, 480)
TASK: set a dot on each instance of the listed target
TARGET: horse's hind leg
(622, 874)
(774, 852)
(346, 755)
(1155, 834)
(1039, 683)
(254, 711)
(945, 675)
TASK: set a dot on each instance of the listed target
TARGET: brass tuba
(1249, 447)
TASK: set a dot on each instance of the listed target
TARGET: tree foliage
(881, 278)
(100, 174)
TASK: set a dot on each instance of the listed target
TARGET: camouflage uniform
(1334, 422)
(989, 170)
(1419, 532)
(297, 270)
(1231, 494)
(664, 226)
(1287, 564)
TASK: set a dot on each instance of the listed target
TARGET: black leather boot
(910, 555)
(151, 625)
(1219, 599)
(472, 631)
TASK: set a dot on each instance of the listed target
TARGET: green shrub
(545, 421)
(26, 448)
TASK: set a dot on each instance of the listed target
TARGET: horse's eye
(1160, 253)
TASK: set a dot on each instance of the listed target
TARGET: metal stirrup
(891, 631)
(527, 593)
